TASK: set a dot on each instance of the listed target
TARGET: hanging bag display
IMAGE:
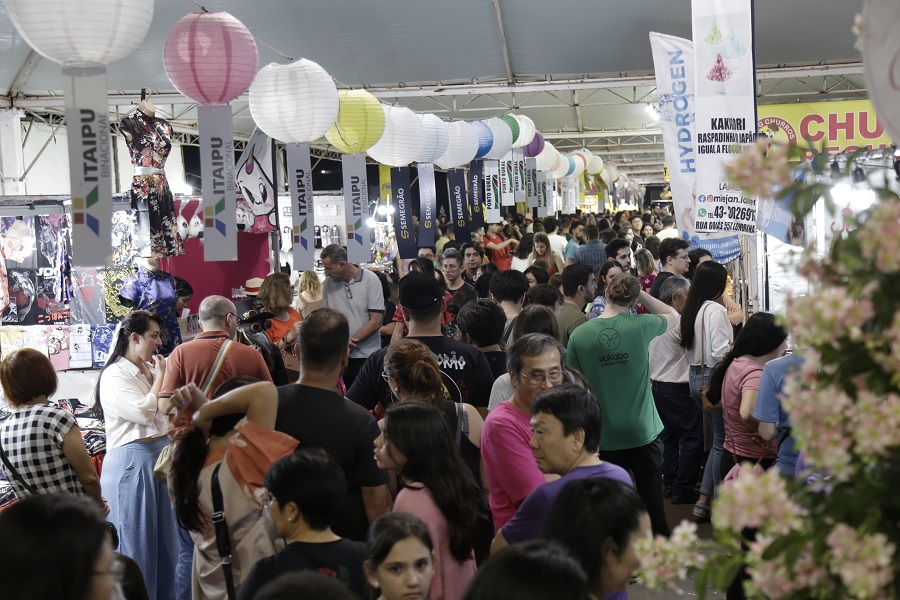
(164, 462)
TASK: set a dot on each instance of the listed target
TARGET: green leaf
(701, 582)
(728, 570)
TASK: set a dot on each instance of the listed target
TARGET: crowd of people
(507, 429)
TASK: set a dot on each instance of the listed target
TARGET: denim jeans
(682, 437)
(711, 475)
(645, 464)
(184, 565)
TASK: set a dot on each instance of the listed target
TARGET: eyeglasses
(116, 570)
(538, 377)
(349, 292)
(385, 376)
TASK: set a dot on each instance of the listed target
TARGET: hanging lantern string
(273, 49)
(200, 6)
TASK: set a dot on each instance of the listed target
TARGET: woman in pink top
(735, 383)
(437, 488)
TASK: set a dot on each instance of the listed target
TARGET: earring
(375, 583)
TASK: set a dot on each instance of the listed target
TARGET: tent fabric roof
(392, 45)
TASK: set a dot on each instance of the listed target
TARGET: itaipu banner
(459, 203)
(90, 164)
(299, 172)
(673, 61)
(725, 91)
(356, 208)
(217, 167)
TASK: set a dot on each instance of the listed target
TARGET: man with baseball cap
(466, 373)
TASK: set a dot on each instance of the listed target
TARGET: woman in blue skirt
(136, 426)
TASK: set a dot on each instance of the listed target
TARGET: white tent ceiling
(581, 69)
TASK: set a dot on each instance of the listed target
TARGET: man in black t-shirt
(466, 372)
(313, 412)
(673, 256)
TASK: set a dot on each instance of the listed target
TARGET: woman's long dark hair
(50, 529)
(432, 459)
(587, 513)
(525, 247)
(189, 456)
(760, 336)
(137, 321)
(708, 283)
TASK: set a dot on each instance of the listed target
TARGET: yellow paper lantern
(359, 124)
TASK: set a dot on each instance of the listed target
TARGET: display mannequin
(149, 142)
(153, 290)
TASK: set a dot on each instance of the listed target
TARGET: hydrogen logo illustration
(298, 234)
(352, 231)
(81, 211)
(211, 212)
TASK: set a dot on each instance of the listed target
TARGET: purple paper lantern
(210, 57)
(535, 146)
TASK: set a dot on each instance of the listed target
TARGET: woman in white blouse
(707, 335)
(136, 426)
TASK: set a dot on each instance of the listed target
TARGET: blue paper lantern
(571, 166)
(485, 138)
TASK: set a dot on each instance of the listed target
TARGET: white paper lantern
(604, 175)
(595, 166)
(502, 138)
(87, 33)
(461, 147)
(586, 155)
(580, 164)
(295, 103)
(526, 131)
(403, 138)
(562, 167)
(437, 138)
(547, 158)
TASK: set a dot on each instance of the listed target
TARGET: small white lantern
(580, 164)
(547, 158)
(295, 103)
(502, 138)
(461, 147)
(562, 167)
(595, 166)
(87, 33)
(437, 138)
(403, 138)
(526, 131)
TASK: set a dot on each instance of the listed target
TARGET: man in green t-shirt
(611, 352)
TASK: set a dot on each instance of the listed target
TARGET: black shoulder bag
(223, 539)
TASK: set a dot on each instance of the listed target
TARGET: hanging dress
(149, 141)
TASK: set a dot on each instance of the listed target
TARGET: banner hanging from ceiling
(217, 167)
(476, 192)
(403, 227)
(673, 60)
(507, 180)
(725, 88)
(427, 205)
(544, 183)
(356, 208)
(492, 191)
(531, 182)
(302, 215)
(459, 203)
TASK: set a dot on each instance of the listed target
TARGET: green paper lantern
(513, 125)
(359, 123)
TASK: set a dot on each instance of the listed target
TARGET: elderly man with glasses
(536, 362)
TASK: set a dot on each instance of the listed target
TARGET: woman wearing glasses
(231, 440)
(55, 546)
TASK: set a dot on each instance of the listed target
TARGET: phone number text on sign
(725, 212)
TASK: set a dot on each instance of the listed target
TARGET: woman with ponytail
(233, 436)
(127, 400)
(735, 383)
(436, 487)
(412, 374)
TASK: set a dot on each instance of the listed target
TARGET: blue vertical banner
(459, 205)
(356, 208)
(476, 193)
(403, 228)
(427, 204)
(217, 170)
(531, 182)
(299, 172)
(492, 191)
(90, 164)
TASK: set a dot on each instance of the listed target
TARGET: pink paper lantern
(210, 57)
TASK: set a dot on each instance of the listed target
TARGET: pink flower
(876, 421)
(880, 237)
(665, 562)
(757, 502)
(863, 562)
(761, 170)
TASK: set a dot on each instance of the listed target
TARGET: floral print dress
(149, 142)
